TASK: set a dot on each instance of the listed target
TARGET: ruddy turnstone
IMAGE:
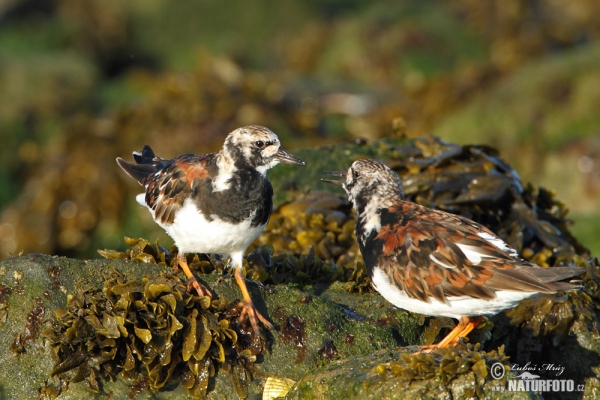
(215, 203)
(436, 263)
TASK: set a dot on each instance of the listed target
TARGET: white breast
(455, 307)
(193, 233)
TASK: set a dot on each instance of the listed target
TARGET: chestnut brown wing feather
(410, 267)
(168, 183)
(420, 254)
(167, 190)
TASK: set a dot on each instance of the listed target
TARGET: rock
(329, 340)
(34, 286)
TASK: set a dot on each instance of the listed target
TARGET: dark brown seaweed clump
(150, 332)
(293, 330)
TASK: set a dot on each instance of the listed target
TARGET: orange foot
(462, 329)
(254, 316)
(248, 308)
(192, 281)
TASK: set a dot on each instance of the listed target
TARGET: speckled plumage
(216, 203)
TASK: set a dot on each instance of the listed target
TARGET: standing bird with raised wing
(435, 263)
(215, 203)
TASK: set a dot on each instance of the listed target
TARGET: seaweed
(443, 366)
(150, 332)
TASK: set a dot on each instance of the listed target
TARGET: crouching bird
(436, 263)
(214, 203)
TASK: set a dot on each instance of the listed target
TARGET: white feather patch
(141, 199)
(471, 253)
(226, 167)
(499, 243)
(371, 220)
(264, 168)
(193, 233)
(222, 182)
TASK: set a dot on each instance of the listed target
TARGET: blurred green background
(82, 82)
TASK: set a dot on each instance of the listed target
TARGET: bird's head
(257, 147)
(369, 181)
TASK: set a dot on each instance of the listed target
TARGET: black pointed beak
(339, 174)
(288, 158)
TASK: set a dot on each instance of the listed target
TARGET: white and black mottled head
(256, 147)
(370, 182)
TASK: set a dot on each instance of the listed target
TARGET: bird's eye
(259, 143)
(355, 174)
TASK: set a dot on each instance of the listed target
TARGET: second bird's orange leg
(462, 329)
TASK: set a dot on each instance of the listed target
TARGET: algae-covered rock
(460, 372)
(39, 292)
(329, 340)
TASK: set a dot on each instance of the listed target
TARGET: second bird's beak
(335, 173)
(288, 158)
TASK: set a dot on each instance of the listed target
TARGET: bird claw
(193, 284)
(249, 310)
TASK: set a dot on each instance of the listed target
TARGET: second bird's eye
(259, 143)
(355, 174)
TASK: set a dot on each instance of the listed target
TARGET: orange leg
(192, 281)
(462, 329)
(249, 308)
